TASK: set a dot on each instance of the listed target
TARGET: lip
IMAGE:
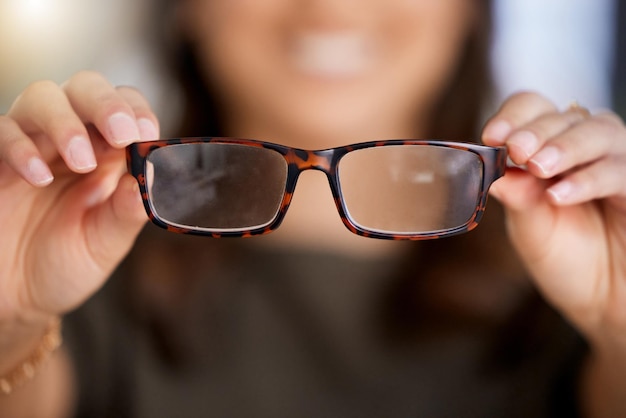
(339, 54)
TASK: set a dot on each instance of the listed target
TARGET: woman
(312, 74)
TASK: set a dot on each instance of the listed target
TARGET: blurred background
(567, 49)
(53, 39)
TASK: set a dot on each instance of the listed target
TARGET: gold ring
(577, 108)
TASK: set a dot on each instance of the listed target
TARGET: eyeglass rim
(493, 163)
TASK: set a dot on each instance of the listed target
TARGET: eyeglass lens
(410, 189)
(219, 187)
(395, 189)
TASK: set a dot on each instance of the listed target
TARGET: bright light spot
(52, 39)
(34, 11)
(33, 8)
(39, 38)
(39, 25)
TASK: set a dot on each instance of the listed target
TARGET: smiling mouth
(332, 55)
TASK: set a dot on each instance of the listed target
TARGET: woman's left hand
(566, 211)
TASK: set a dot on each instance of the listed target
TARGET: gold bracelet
(50, 341)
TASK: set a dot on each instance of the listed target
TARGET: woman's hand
(566, 213)
(68, 211)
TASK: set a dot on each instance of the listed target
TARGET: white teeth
(332, 55)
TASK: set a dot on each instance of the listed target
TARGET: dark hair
(458, 114)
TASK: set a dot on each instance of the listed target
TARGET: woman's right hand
(68, 211)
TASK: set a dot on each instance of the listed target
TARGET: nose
(332, 14)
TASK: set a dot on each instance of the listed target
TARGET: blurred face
(319, 73)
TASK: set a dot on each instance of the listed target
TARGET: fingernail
(547, 160)
(123, 129)
(497, 131)
(39, 173)
(562, 191)
(147, 129)
(81, 154)
(525, 141)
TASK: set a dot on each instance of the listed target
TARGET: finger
(598, 137)
(516, 112)
(19, 153)
(601, 179)
(96, 101)
(43, 108)
(146, 120)
(529, 138)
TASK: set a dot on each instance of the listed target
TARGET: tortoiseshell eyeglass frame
(493, 163)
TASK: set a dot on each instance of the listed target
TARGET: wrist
(25, 343)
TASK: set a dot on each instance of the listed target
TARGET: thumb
(112, 226)
(518, 190)
(558, 244)
(529, 215)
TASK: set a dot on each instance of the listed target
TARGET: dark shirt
(286, 334)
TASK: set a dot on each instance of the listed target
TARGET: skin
(69, 213)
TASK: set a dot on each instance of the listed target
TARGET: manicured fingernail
(123, 129)
(147, 129)
(547, 160)
(497, 131)
(562, 191)
(81, 154)
(525, 141)
(38, 172)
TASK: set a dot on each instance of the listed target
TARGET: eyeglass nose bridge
(300, 160)
(326, 161)
(322, 160)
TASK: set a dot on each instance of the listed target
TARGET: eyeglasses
(395, 189)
